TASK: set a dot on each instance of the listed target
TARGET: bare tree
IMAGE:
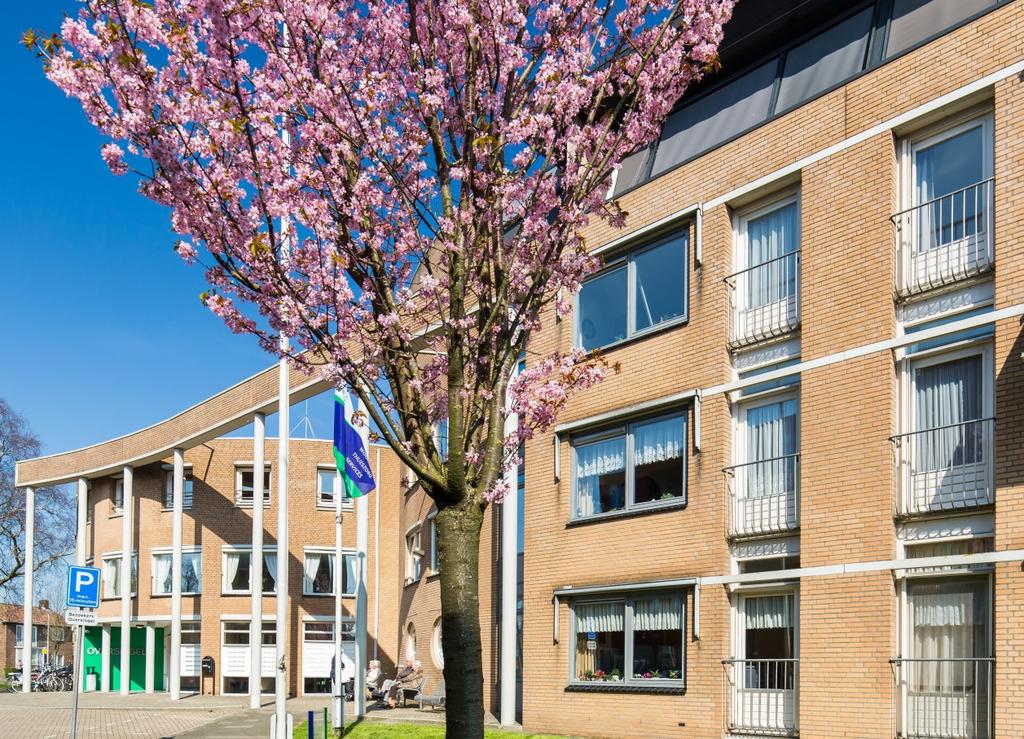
(55, 512)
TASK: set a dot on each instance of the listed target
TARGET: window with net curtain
(770, 277)
(643, 464)
(191, 573)
(771, 443)
(186, 494)
(112, 576)
(237, 565)
(645, 630)
(949, 623)
(947, 398)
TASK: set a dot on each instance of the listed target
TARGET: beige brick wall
(215, 521)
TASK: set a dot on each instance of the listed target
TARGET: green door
(93, 653)
(136, 660)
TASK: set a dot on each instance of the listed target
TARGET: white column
(509, 566)
(83, 504)
(259, 434)
(26, 627)
(150, 651)
(362, 545)
(376, 561)
(126, 579)
(105, 659)
(281, 659)
(339, 579)
(178, 506)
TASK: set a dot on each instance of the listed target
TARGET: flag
(350, 453)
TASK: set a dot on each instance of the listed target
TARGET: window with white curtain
(191, 573)
(768, 625)
(318, 573)
(186, 496)
(949, 625)
(112, 575)
(117, 500)
(236, 571)
(637, 640)
(641, 464)
(642, 289)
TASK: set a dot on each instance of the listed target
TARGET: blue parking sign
(83, 587)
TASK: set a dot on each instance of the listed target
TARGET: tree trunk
(458, 531)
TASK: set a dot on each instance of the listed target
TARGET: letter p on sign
(83, 587)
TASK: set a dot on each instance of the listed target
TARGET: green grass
(380, 730)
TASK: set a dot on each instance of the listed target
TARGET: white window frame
(323, 503)
(321, 550)
(187, 498)
(109, 556)
(625, 429)
(168, 552)
(628, 637)
(117, 509)
(241, 467)
(436, 646)
(626, 259)
(434, 565)
(243, 549)
(414, 554)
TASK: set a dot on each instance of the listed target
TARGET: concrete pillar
(126, 579)
(178, 506)
(256, 563)
(105, 660)
(150, 651)
(26, 628)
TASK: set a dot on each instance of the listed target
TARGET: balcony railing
(945, 240)
(765, 299)
(763, 696)
(765, 495)
(945, 468)
(944, 698)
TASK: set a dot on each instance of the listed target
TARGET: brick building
(51, 640)
(796, 508)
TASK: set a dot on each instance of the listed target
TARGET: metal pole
(256, 563)
(339, 579)
(77, 678)
(362, 546)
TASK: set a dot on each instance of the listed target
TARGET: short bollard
(310, 726)
(325, 722)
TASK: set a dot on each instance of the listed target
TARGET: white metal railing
(763, 695)
(945, 468)
(944, 698)
(945, 240)
(765, 299)
(765, 495)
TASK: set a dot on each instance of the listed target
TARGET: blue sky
(104, 330)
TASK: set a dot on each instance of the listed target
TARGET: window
(117, 501)
(186, 498)
(764, 678)
(318, 573)
(236, 633)
(766, 286)
(435, 566)
(636, 640)
(318, 656)
(436, 647)
(769, 564)
(946, 670)
(190, 633)
(19, 634)
(413, 555)
(328, 485)
(237, 565)
(191, 573)
(410, 642)
(112, 575)
(638, 291)
(945, 227)
(945, 456)
(765, 481)
(244, 486)
(441, 438)
(642, 464)
(914, 21)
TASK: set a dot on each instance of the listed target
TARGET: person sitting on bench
(385, 689)
(410, 681)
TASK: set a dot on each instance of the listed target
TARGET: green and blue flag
(350, 452)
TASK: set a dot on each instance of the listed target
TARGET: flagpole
(339, 580)
(362, 545)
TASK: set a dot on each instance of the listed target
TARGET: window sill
(674, 505)
(613, 687)
(115, 514)
(229, 593)
(184, 508)
(412, 581)
(327, 595)
(168, 595)
(330, 507)
(641, 335)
